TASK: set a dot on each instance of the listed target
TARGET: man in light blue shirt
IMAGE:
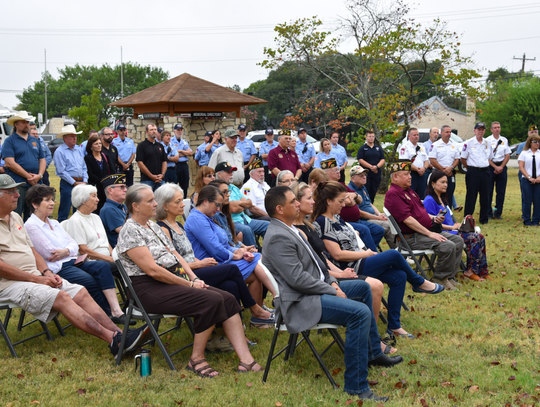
(264, 149)
(340, 154)
(306, 154)
(182, 169)
(70, 167)
(126, 153)
(172, 157)
(204, 151)
(247, 148)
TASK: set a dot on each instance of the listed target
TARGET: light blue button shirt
(172, 153)
(247, 148)
(126, 148)
(323, 156)
(180, 145)
(46, 151)
(340, 153)
(265, 149)
(70, 163)
(83, 147)
(308, 155)
(203, 156)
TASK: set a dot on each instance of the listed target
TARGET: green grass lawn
(476, 347)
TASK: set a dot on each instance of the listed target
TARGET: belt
(497, 164)
(79, 179)
(479, 168)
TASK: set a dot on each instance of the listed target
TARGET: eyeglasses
(288, 181)
(535, 141)
(10, 191)
(210, 176)
(108, 134)
(227, 192)
(218, 205)
(120, 186)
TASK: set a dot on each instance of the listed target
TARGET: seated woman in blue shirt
(210, 240)
(475, 243)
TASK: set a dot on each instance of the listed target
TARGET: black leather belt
(478, 168)
(497, 164)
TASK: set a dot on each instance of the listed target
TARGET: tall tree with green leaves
(77, 81)
(88, 114)
(380, 80)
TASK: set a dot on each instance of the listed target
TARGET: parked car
(48, 138)
(257, 136)
(54, 144)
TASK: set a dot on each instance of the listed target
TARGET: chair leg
(59, 326)
(271, 352)
(3, 331)
(46, 331)
(21, 320)
(292, 342)
(321, 363)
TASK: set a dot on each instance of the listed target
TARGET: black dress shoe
(386, 361)
(369, 395)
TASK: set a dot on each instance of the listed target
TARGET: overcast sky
(222, 41)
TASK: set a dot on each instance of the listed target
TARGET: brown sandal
(249, 367)
(204, 371)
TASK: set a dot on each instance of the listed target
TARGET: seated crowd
(320, 240)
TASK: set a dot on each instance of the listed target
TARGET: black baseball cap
(479, 125)
(242, 127)
(269, 131)
(120, 127)
(225, 166)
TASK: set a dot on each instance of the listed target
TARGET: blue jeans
(530, 195)
(376, 231)
(362, 342)
(249, 236)
(65, 201)
(95, 276)
(257, 227)
(392, 269)
(365, 234)
(152, 184)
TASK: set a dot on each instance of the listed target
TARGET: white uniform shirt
(234, 158)
(477, 153)
(408, 151)
(256, 192)
(444, 154)
(502, 149)
(526, 156)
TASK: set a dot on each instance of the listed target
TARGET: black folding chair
(9, 307)
(135, 310)
(293, 344)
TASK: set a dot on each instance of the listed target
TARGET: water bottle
(146, 362)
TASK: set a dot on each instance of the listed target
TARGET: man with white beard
(255, 189)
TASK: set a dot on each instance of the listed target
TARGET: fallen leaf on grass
(383, 374)
(249, 384)
(512, 378)
(336, 371)
(423, 402)
(317, 376)
(511, 345)
(179, 402)
(495, 363)
(278, 404)
(373, 382)
(54, 359)
(183, 376)
(89, 379)
(413, 362)
(81, 391)
(452, 397)
(447, 384)
(360, 403)
(197, 388)
(35, 402)
(474, 389)
(20, 376)
(514, 364)
(349, 401)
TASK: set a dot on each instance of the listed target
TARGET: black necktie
(534, 166)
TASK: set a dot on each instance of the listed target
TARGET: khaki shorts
(37, 299)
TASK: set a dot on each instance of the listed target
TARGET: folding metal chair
(9, 307)
(135, 310)
(293, 344)
(187, 208)
(406, 251)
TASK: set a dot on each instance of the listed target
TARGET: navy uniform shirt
(26, 153)
(370, 154)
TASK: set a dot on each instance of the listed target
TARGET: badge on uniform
(464, 147)
(18, 226)
(431, 148)
(403, 151)
(34, 144)
(247, 191)
(407, 196)
(376, 148)
(280, 155)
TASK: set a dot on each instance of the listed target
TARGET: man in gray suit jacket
(310, 295)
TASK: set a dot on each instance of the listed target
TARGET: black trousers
(372, 184)
(267, 176)
(419, 184)
(478, 182)
(46, 178)
(129, 175)
(246, 173)
(305, 176)
(182, 175)
(498, 181)
(450, 189)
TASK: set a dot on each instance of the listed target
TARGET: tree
(74, 82)
(246, 113)
(380, 80)
(87, 115)
(515, 103)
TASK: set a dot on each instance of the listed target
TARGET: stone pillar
(194, 131)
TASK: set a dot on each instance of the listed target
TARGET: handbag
(468, 224)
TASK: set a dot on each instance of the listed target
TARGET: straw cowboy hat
(69, 129)
(22, 115)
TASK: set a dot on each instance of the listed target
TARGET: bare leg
(258, 312)
(87, 303)
(255, 288)
(199, 345)
(80, 318)
(377, 288)
(263, 278)
(235, 333)
(112, 299)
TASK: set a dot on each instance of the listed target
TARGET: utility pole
(46, 116)
(122, 78)
(523, 63)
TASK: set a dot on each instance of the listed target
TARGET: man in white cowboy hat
(24, 158)
(70, 167)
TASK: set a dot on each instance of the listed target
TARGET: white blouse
(527, 156)
(45, 240)
(88, 230)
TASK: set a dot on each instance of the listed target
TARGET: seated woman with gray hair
(285, 178)
(59, 250)
(226, 277)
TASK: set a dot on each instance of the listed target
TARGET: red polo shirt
(350, 213)
(283, 160)
(403, 203)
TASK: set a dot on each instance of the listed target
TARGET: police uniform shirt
(304, 157)
(152, 156)
(265, 148)
(83, 147)
(256, 192)
(444, 153)
(126, 148)
(247, 148)
(203, 156)
(408, 151)
(340, 154)
(502, 148)
(322, 156)
(370, 154)
(46, 152)
(477, 153)
(171, 152)
(26, 153)
(180, 144)
(526, 156)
